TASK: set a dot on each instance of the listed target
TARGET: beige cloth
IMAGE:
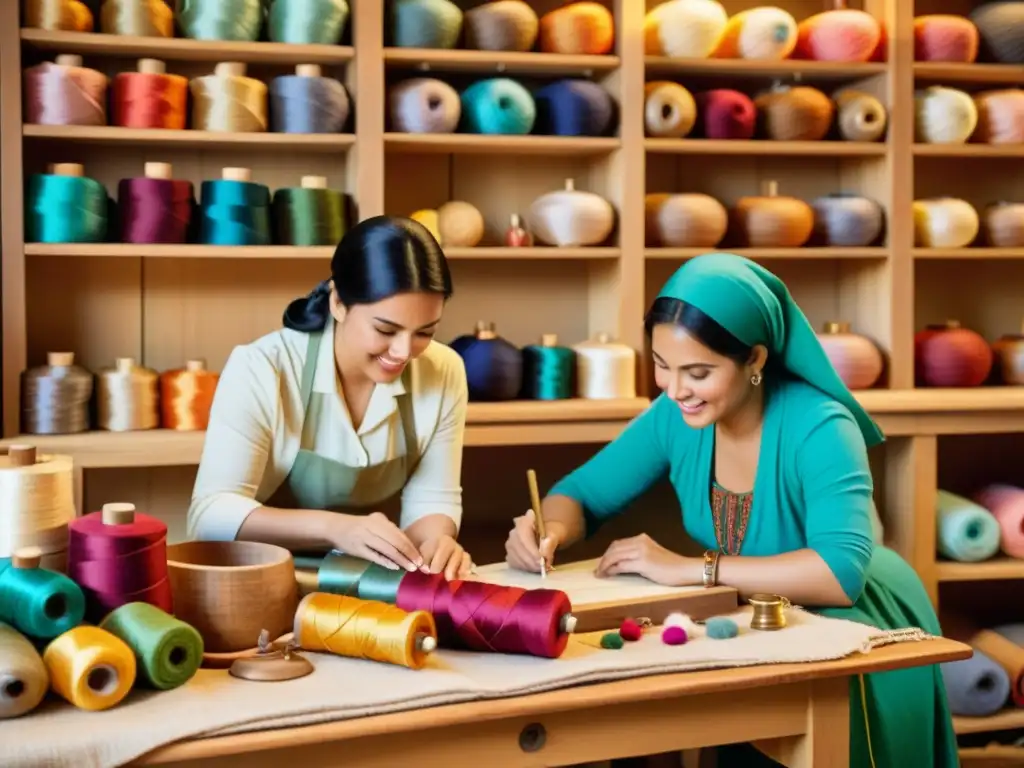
(214, 703)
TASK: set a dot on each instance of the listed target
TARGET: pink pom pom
(630, 630)
(673, 636)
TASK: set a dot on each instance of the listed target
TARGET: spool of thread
(605, 370)
(65, 93)
(149, 98)
(967, 532)
(140, 18)
(186, 396)
(1006, 504)
(307, 22)
(309, 215)
(126, 397)
(64, 206)
(548, 370)
(167, 651)
(119, 556)
(156, 208)
(37, 501)
(228, 101)
(58, 15)
(238, 20)
(976, 687)
(494, 366)
(24, 680)
(498, 106)
(233, 210)
(308, 103)
(364, 629)
(38, 602)
(90, 668)
(55, 397)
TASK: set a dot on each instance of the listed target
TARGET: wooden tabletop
(900, 655)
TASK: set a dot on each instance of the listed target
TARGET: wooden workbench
(798, 713)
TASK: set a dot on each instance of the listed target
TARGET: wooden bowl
(232, 590)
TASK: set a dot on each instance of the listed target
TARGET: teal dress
(813, 489)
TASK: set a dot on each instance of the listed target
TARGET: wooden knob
(195, 365)
(67, 169)
(549, 340)
(68, 60)
(229, 69)
(837, 326)
(27, 558)
(22, 455)
(118, 513)
(567, 624)
(314, 182)
(426, 643)
(308, 70)
(124, 364)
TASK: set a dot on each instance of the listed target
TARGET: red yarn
(630, 630)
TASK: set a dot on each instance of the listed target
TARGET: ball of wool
(676, 619)
(612, 641)
(721, 628)
(673, 635)
(630, 630)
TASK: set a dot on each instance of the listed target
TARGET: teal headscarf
(755, 306)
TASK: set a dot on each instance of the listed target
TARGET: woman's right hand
(521, 550)
(375, 538)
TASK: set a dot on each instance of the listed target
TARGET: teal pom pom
(721, 628)
(612, 640)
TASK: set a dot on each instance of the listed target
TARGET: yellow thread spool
(90, 667)
(229, 101)
(769, 612)
(364, 629)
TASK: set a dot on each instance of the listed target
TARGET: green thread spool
(548, 370)
(311, 22)
(64, 206)
(37, 602)
(168, 650)
(309, 215)
(239, 20)
(341, 574)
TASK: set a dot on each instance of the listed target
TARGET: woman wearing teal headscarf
(767, 451)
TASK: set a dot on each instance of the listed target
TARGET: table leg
(826, 741)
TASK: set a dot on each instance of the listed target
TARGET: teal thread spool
(37, 602)
(425, 23)
(168, 650)
(234, 211)
(66, 207)
(307, 22)
(341, 574)
(239, 20)
(309, 215)
(548, 370)
(498, 106)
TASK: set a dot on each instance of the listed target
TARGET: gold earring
(755, 379)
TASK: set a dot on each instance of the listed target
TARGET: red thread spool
(119, 556)
(149, 98)
(476, 616)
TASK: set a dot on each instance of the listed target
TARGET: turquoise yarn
(234, 213)
(425, 24)
(967, 532)
(498, 106)
(66, 209)
(721, 628)
(307, 22)
(38, 602)
(236, 20)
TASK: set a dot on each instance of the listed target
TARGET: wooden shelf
(498, 253)
(760, 254)
(764, 147)
(190, 251)
(1009, 74)
(466, 143)
(162, 137)
(999, 569)
(942, 400)
(807, 70)
(1007, 720)
(969, 150)
(926, 254)
(498, 62)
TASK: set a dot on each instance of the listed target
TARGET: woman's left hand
(443, 554)
(645, 557)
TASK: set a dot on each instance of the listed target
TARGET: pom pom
(612, 641)
(721, 628)
(630, 630)
(676, 620)
(673, 635)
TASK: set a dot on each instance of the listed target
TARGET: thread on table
(234, 213)
(58, 15)
(352, 576)
(364, 629)
(186, 396)
(66, 209)
(127, 397)
(311, 22)
(239, 20)
(119, 556)
(37, 501)
(141, 18)
(548, 370)
(308, 216)
(156, 210)
(232, 103)
(90, 668)
(605, 370)
(57, 93)
(149, 100)
(24, 680)
(55, 397)
(38, 602)
(168, 652)
(304, 104)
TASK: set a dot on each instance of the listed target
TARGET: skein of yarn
(64, 206)
(794, 113)
(498, 105)
(233, 210)
(425, 23)
(306, 102)
(127, 397)
(186, 396)
(502, 25)
(494, 366)
(55, 397)
(574, 108)
(237, 20)
(139, 18)
(24, 680)
(605, 370)
(548, 370)
(65, 93)
(156, 208)
(229, 101)
(58, 15)
(307, 22)
(424, 105)
(149, 98)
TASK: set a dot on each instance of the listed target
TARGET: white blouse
(257, 421)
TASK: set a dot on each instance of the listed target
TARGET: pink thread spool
(65, 93)
(1006, 503)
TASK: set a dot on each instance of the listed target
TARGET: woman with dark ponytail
(346, 406)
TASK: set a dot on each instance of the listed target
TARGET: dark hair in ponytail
(376, 259)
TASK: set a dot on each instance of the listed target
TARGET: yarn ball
(424, 105)
(494, 367)
(630, 630)
(726, 114)
(673, 635)
(574, 108)
(612, 641)
(425, 23)
(721, 628)
(676, 619)
(1001, 28)
(498, 106)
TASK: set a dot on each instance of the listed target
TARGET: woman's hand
(444, 553)
(645, 557)
(521, 550)
(375, 538)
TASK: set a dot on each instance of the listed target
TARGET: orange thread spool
(150, 98)
(186, 396)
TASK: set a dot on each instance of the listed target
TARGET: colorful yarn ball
(721, 628)
(612, 641)
(630, 630)
(673, 635)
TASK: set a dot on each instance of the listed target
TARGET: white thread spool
(236, 174)
(127, 397)
(24, 680)
(605, 370)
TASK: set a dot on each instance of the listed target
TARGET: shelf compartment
(467, 143)
(678, 254)
(498, 62)
(970, 254)
(969, 150)
(807, 70)
(997, 569)
(764, 147)
(188, 251)
(995, 74)
(156, 137)
(182, 49)
(1007, 720)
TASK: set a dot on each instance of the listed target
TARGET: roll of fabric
(997, 645)
(967, 532)
(975, 687)
(1006, 503)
